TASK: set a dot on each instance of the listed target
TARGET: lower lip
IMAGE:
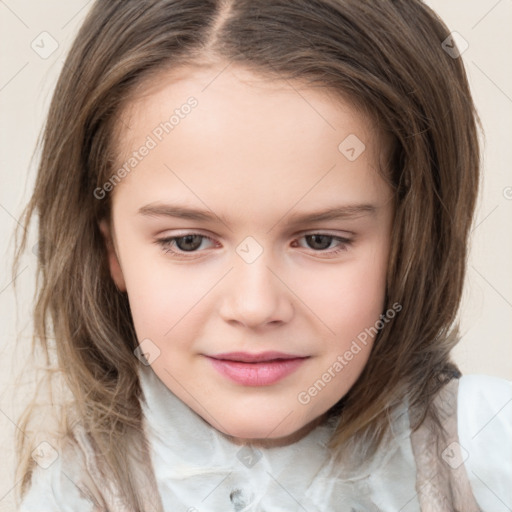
(256, 374)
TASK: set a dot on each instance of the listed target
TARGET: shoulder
(56, 480)
(484, 423)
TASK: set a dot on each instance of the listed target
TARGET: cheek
(348, 297)
(166, 300)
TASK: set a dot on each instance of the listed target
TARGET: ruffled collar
(197, 468)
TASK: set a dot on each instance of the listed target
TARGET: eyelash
(167, 243)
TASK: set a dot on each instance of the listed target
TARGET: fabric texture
(191, 466)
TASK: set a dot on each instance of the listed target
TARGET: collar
(197, 468)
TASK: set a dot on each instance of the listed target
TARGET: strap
(94, 486)
(442, 482)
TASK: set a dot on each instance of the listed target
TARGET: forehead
(246, 133)
(239, 93)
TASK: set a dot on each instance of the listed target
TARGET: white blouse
(198, 469)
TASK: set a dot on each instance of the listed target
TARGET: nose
(255, 295)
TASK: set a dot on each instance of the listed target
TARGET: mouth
(262, 369)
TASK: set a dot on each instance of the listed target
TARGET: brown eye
(189, 242)
(318, 241)
(181, 245)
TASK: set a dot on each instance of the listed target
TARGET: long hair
(387, 56)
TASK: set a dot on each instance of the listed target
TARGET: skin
(256, 153)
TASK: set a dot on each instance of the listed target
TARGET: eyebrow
(339, 212)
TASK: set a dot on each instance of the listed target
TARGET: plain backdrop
(35, 36)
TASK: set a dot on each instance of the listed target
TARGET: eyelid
(344, 234)
(328, 232)
(208, 234)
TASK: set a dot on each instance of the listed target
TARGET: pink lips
(260, 369)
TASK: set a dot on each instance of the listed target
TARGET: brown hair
(385, 55)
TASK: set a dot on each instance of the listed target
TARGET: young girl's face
(255, 276)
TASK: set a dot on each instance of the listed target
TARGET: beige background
(26, 83)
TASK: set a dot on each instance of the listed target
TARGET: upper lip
(247, 357)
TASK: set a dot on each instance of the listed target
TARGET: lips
(246, 357)
(262, 369)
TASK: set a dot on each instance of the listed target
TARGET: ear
(113, 262)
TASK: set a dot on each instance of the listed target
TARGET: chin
(273, 432)
(253, 429)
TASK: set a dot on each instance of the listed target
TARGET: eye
(188, 243)
(319, 242)
(179, 246)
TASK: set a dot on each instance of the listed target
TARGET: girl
(253, 225)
